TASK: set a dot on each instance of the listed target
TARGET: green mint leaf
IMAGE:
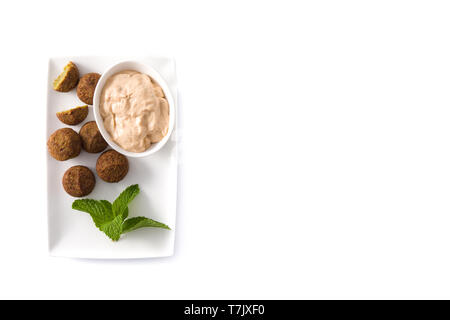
(121, 203)
(141, 222)
(113, 229)
(100, 211)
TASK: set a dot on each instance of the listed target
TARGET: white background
(314, 160)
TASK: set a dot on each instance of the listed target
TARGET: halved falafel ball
(112, 166)
(78, 181)
(68, 79)
(73, 116)
(64, 144)
(86, 87)
(91, 138)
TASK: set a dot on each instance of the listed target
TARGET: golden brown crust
(78, 181)
(91, 138)
(86, 87)
(68, 79)
(64, 144)
(73, 116)
(112, 166)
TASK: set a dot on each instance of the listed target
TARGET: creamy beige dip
(134, 110)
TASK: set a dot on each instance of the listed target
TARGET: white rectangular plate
(72, 233)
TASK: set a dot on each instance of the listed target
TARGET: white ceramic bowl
(143, 68)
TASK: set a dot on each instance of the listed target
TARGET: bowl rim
(155, 75)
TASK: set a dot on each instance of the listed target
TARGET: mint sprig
(112, 218)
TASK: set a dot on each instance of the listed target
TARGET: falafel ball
(73, 116)
(78, 181)
(86, 87)
(91, 138)
(68, 79)
(64, 144)
(112, 166)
